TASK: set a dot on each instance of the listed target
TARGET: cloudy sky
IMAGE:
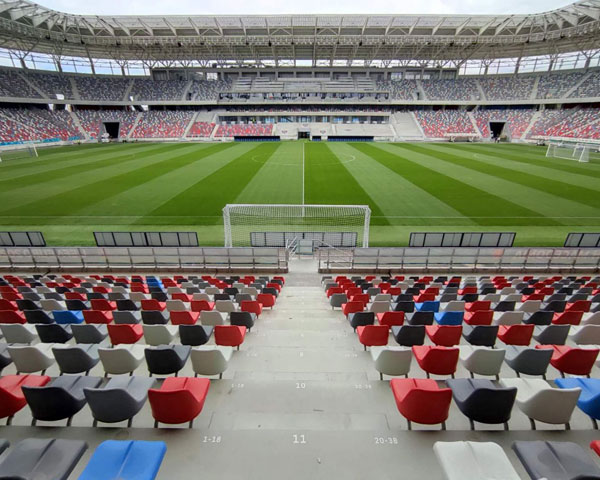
(238, 7)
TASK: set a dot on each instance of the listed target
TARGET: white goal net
(248, 225)
(16, 152)
(579, 152)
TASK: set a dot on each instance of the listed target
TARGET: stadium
(302, 245)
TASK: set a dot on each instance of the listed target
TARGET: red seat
(421, 400)
(567, 318)
(153, 304)
(266, 300)
(361, 297)
(97, 316)
(202, 306)
(184, 297)
(12, 296)
(467, 290)
(390, 318)
(515, 334)
(572, 360)
(251, 306)
(103, 305)
(533, 296)
(12, 316)
(394, 291)
(11, 396)
(101, 290)
(579, 306)
(478, 306)
(178, 400)
(229, 335)
(281, 279)
(444, 335)
(373, 335)
(184, 318)
(595, 446)
(8, 305)
(333, 290)
(125, 333)
(352, 307)
(352, 290)
(480, 317)
(274, 285)
(385, 287)
(75, 296)
(424, 297)
(436, 360)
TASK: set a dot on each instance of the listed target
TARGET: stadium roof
(320, 39)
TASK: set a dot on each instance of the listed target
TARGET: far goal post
(16, 152)
(256, 225)
(579, 152)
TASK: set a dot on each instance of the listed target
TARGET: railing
(143, 258)
(460, 259)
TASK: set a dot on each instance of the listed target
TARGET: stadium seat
(482, 360)
(166, 359)
(210, 360)
(571, 360)
(528, 361)
(373, 335)
(125, 333)
(229, 335)
(421, 401)
(76, 358)
(516, 334)
(390, 318)
(121, 359)
(436, 360)
(179, 400)
(444, 335)
(391, 361)
(12, 399)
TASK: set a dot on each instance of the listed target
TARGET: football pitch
(70, 192)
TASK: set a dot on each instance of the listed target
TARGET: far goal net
(579, 152)
(17, 152)
(248, 225)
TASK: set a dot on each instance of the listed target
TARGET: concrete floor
(301, 400)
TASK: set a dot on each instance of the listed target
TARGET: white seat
(513, 297)
(530, 306)
(382, 297)
(474, 461)
(591, 319)
(210, 359)
(391, 360)
(138, 296)
(121, 359)
(201, 296)
(225, 306)
(50, 304)
(160, 334)
(172, 290)
(585, 334)
(539, 401)
(491, 297)
(212, 318)
(176, 306)
(250, 291)
(453, 306)
(508, 291)
(508, 318)
(482, 360)
(17, 333)
(32, 358)
(211, 290)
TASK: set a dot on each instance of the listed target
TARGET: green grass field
(69, 192)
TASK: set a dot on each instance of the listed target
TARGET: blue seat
(430, 306)
(64, 317)
(589, 400)
(449, 318)
(125, 460)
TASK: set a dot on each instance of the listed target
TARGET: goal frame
(581, 151)
(366, 212)
(30, 147)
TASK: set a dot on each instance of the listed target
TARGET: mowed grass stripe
(203, 202)
(136, 202)
(79, 197)
(60, 156)
(527, 158)
(401, 201)
(564, 190)
(328, 182)
(481, 206)
(79, 166)
(279, 179)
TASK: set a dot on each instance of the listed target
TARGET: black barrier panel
(283, 239)
(462, 239)
(146, 239)
(22, 239)
(583, 240)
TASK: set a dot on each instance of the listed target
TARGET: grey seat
(166, 359)
(551, 334)
(243, 319)
(195, 335)
(126, 317)
(85, 333)
(76, 358)
(17, 333)
(42, 458)
(54, 333)
(556, 460)
(155, 317)
(61, 398)
(526, 360)
(337, 300)
(119, 400)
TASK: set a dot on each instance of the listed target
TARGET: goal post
(256, 225)
(16, 152)
(579, 152)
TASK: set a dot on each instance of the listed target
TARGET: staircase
(536, 116)
(576, 86)
(74, 88)
(474, 123)
(481, 91)
(534, 90)
(421, 90)
(190, 125)
(406, 127)
(77, 123)
(128, 91)
(32, 85)
(135, 124)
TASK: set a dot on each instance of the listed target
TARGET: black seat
(243, 319)
(480, 335)
(166, 359)
(195, 335)
(54, 333)
(419, 318)
(76, 305)
(541, 317)
(359, 319)
(38, 316)
(409, 335)
(155, 317)
(127, 305)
